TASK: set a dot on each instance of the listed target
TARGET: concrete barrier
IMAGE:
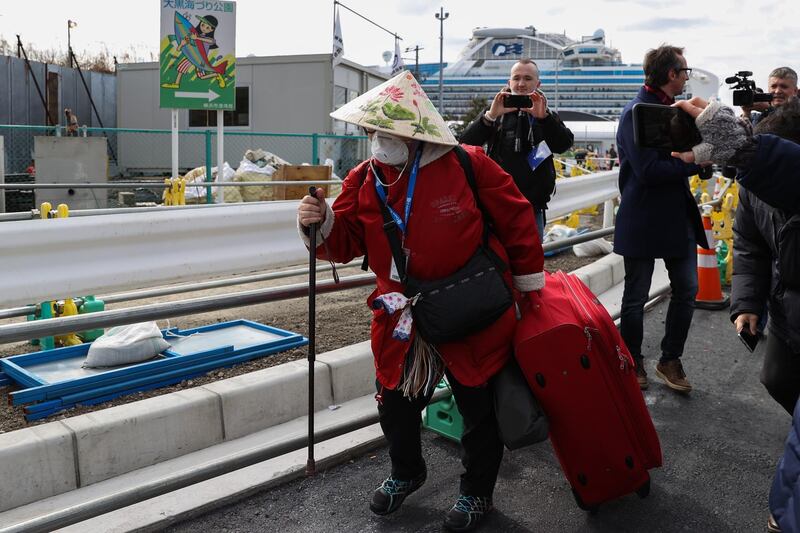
(114, 441)
(36, 463)
(258, 400)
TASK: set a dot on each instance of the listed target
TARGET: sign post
(198, 65)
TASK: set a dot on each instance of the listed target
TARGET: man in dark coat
(515, 138)
(657, 218)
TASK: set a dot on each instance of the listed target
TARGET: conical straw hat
(399, 107)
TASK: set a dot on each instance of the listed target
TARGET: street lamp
(559, 59)
(441, 16)
(70, 24)
(416, 50)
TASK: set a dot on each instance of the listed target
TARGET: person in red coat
(413, 163)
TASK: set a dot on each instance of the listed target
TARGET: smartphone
(664, 127)
(519, 101)
(749, 340)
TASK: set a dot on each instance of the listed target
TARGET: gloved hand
(723, 133)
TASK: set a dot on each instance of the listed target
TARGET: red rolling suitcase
(583, 375)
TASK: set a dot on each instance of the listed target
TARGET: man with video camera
(521, 133)
(657, 218)
(782, 85)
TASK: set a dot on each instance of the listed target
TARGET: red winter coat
(444, 230)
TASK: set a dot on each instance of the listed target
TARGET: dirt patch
(342, 319)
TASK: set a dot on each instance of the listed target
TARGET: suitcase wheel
(644, 490)
(592, 510)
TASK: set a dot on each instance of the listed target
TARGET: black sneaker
(467, 513)
(390, 495)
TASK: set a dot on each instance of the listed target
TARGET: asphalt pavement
(720, 444)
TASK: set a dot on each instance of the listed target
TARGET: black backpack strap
(466, 164)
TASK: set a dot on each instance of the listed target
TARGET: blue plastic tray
(55, 379)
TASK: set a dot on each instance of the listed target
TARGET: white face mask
(389, 150)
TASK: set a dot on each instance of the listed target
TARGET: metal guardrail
(65, 258)
(159, 184)
(159, 311)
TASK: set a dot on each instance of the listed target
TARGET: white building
(289, 97)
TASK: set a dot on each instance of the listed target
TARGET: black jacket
(536, 185)
(760, 234)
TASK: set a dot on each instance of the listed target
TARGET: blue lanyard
(412, 182)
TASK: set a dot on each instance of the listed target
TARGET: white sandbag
(232, 195)
(592, 248)
(559, 232)
(123, 345)
(250, 171)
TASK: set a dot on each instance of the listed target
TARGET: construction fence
(139, 152)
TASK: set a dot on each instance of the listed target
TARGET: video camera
(745, 91)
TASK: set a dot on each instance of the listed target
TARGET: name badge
(540, 152)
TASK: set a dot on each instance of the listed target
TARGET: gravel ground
(342, 319)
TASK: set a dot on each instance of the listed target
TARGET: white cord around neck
(378, 179)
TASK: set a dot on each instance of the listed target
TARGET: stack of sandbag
(258, 165)
(197, 195)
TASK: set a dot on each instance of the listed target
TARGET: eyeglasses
(687, 70)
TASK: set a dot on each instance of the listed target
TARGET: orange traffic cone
(709, 289)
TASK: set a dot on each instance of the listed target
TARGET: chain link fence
(137, 153)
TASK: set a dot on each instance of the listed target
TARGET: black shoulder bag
(467, 301)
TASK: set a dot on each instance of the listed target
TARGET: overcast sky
(722, 36)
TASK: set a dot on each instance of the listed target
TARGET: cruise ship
(583, 79)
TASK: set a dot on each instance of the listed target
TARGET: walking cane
(311, 467)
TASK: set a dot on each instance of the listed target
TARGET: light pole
(559, 58)
(416, 50)
(441, 17)
(70, 24)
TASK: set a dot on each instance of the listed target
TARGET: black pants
(482, 452)
(780, 373)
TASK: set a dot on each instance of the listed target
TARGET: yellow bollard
(181, 191)
(62, 211)
(167, 194)
(572, 220)
(734, 190)
(44, 210)
(70, 339)
(694, 184)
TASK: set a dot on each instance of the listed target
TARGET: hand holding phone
(749, 340)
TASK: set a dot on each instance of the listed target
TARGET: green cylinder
(91, 305)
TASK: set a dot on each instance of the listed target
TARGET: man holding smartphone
(521, 133)
(657, 218)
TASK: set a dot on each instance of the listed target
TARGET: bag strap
(466, 164)
(390, 228)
